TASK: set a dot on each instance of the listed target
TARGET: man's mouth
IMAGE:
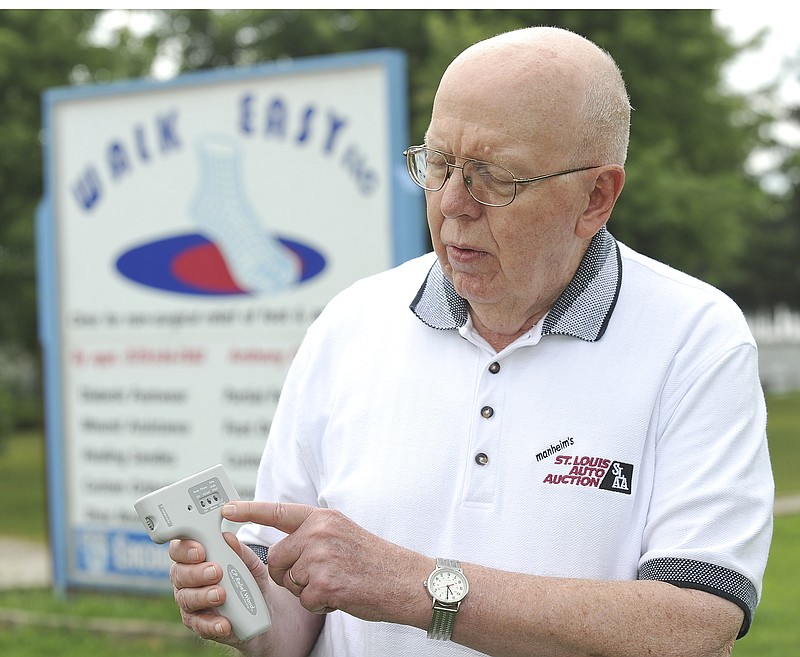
(464, 254)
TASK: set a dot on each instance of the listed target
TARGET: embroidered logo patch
(591, 472)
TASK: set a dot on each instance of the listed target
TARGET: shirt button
(487, 412)
(494, 368)
(481, 458)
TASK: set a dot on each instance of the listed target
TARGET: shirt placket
(482, 459)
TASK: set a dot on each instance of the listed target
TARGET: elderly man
(562, 439)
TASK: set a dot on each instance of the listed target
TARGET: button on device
(481, 458)
(494, 368)
(487, 412)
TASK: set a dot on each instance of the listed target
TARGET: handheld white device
(192, 508)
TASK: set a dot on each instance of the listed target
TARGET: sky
(765, 65)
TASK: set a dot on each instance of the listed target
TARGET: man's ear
(608, 183)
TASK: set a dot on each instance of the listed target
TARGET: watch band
(442, 622)
(444, 614)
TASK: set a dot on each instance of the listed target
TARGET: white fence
(778, 337)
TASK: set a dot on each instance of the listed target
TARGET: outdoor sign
(190, 232)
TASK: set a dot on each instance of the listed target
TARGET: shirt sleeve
(710, 522)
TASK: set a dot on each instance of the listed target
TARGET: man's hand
(329, 562)
(197, 588)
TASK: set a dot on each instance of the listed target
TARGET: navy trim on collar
(582, 311)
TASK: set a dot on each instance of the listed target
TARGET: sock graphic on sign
(257, 260)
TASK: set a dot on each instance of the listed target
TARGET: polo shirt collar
(582, 311)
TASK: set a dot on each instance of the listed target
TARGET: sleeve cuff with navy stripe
(691, 574)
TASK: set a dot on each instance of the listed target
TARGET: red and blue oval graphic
(193, 264)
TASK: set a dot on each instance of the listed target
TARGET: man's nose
(456, 199)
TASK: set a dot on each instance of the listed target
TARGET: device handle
(244, 604)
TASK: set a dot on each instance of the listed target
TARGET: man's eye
(484, 172)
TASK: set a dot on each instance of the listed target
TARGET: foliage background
(689, 200)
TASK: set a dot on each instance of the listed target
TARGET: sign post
(189, 234)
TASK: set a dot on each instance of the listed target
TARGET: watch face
(447, 585)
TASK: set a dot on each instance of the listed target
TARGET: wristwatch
(448, 587)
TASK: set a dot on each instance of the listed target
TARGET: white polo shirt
(623, 437)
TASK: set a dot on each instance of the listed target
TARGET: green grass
(22, 479)
(783, 435)
(111, 612)
(37, 642)
(159, 608)
(775, 632)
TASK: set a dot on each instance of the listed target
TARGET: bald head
(543, 85)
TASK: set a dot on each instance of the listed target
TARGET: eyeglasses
(489, 184)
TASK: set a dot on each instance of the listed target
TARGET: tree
(38, 49)
(772, 260)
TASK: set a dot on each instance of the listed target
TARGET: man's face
(522, 254)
